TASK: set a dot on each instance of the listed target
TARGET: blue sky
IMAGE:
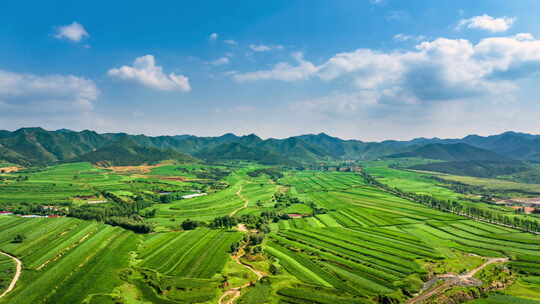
(364, 69)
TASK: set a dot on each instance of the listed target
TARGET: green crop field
(7, 271)
(63, 257)
(349, 241)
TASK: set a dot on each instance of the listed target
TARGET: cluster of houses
(340, 168)
(528, 205)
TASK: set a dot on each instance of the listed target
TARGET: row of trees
(118, 213)
(456, 207)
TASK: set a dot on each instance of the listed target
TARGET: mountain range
(37, 146)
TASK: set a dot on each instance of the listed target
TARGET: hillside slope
(452, 152)
(36, 146)
(238, 151)
(127, 153)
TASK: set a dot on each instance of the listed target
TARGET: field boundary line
(18, 272)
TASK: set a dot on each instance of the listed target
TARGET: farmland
(313, 236)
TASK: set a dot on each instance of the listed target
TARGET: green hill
(452, 152)
(36, 146)
(126, 152)
(476, 168)
(237, 151)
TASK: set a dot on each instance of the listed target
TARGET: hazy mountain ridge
(38, 146)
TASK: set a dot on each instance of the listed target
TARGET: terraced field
(222, 203)
(7, 272)
(65, 260)
(60, 183)
(192, 254)
(372, 243)
(311, 181)
(352, 243)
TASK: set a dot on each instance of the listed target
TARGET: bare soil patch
(142, 169)
(10, 169)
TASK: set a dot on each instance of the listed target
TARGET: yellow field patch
(10, 169)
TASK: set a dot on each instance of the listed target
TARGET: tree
(189, 224)
(19, 238)
(273, 269)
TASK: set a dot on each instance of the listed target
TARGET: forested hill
(126, 152)
(452, 152)
(34, 146)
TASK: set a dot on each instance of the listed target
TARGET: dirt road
(452, 280)
(18, 272)
(232, 294)
(239, 193)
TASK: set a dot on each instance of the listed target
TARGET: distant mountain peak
(63, 130)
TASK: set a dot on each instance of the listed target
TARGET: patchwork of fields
(371, 242)
(349, 242)
(62, 257)
(231, 200)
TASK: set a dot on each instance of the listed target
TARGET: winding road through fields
(452, 280)
(232, 294)
(18, 272)
(239, 194)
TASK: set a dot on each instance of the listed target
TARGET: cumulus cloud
(487, 23)
(438, 71)
(221, 61)
(51, 92)
(74, 32)
(264, 48)
(281, 71)
(213, 36)
(144, 71)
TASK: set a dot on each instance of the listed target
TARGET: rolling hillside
(127, 153)
(475, 168)
(36, 146)
(452, 152)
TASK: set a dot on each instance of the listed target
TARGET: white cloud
(230, 42)
(404, 37)
(213, 37)
(74, 32)
(264, 48)
(281, 71)
(487, 23)
(145, 72)
(51, 92)
(441, 70)
(221, 61)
